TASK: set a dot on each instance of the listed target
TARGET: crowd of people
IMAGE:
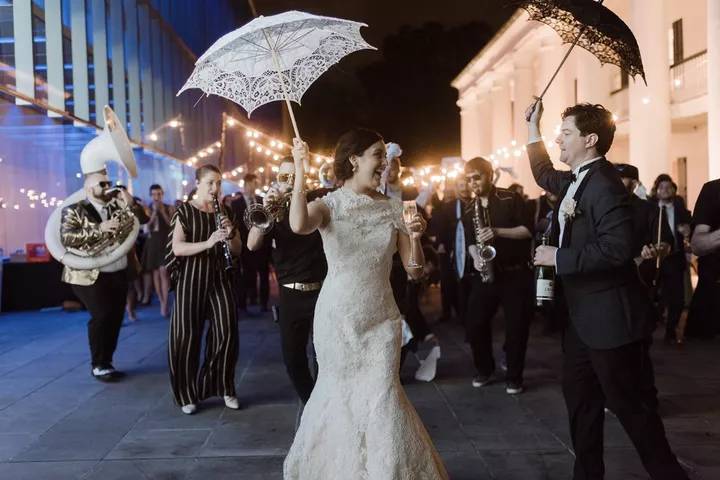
(353, 258)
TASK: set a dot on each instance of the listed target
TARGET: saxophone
(485, 252)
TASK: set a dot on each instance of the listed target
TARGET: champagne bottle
(544, 282)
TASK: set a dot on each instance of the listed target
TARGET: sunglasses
(473, 178)
(104, 184)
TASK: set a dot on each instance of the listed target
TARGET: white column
(522, 93)
(501, 115)
(485, 125)
(157, 61)
(559, 95)
(146, 69)
(713, 57)
(469, 121)
(592, 80)
(133, 63)
(465, 128)
(118, 61)
(78, 39)
(650, 123)
(23, 44)
(54, 51)
(100, 60)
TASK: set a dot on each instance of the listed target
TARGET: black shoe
(482, 380)
(103, 374)
(116, 374)
(513, 388)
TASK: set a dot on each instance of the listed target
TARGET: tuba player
(91, 227)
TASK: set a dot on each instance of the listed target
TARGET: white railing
(688, 79)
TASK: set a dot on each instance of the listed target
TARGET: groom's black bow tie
(582, 169)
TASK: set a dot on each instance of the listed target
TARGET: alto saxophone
(485, 252)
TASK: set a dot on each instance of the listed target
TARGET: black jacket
(608, 305)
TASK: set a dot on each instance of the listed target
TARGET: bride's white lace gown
(358, 423)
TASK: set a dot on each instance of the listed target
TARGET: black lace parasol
(592, 26)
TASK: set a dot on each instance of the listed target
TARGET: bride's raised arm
(304, 218)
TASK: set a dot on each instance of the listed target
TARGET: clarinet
(227, 256)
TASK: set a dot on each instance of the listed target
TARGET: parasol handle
(557, 70)
(276, 61)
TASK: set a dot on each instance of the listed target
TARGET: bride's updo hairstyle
(354, 142)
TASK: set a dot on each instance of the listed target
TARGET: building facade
(663, 127)
(61, 61)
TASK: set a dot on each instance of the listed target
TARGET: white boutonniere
(568, 209)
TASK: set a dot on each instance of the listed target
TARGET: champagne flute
(409, 212)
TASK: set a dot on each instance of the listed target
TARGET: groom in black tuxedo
(606, 361)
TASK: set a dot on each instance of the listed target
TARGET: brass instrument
(112, 144)
(263, 217)
(485, 252)
(126, 224)
(227, 255)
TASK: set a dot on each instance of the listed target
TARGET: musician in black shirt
(506, 225)
(704, 318)
(301, 267)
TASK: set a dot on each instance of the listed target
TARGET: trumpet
(264, 217)
(485, 252)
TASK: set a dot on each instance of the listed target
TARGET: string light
(153, 137)
(173, 124)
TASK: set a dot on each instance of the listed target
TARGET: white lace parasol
(274, 58)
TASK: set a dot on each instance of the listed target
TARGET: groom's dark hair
(595, 119)
(354, 142)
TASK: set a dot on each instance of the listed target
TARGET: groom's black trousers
(620, 379)
(297, 310)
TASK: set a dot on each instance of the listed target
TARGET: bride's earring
(355, 167)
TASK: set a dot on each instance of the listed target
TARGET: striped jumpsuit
(203, 291)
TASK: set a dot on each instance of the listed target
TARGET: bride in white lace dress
(358, 423)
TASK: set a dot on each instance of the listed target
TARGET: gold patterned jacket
(80, 229)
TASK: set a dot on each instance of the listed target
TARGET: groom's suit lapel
(578, 195)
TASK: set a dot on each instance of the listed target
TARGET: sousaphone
(110, 145)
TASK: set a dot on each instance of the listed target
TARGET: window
(675, 43)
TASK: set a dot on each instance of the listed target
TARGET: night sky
(403, 90)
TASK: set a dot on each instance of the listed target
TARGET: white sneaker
(232, 402)
(189, 409)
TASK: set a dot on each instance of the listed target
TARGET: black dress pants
(448, 287)
(621, 380)
(672, 291)
(513, 290)
(105, 301)
(297, 310)
(254, 265)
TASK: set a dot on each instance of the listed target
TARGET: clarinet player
(496, 219)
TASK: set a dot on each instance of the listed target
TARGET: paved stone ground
(56, 422)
